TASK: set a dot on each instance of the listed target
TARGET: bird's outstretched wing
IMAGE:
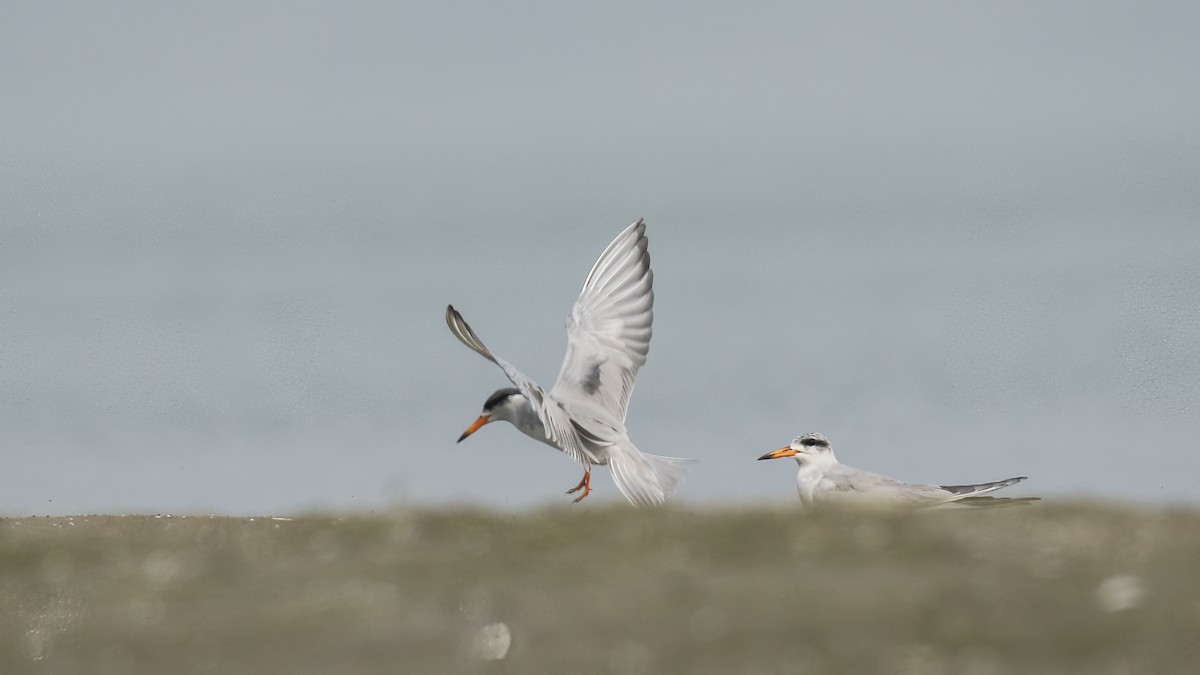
(554, 418)
(608, 331)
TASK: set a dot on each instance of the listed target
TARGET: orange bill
(479, 421)
(776, 454)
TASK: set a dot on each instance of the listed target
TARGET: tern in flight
(583, 414)
(822, 480)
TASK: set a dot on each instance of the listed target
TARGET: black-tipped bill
(776, 454)
(479, 421)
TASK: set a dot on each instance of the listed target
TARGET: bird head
(803, 448)
(499, 406)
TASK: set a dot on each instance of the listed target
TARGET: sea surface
(270, 339)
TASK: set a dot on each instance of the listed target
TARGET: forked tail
(645, 479)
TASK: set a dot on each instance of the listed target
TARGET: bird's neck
(807, 479)
(520, 413)
(818, 463)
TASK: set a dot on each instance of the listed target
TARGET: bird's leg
(585, 484)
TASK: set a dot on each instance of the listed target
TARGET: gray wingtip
(995, 502)
(462, 330)
(983, 487)
(455, 320)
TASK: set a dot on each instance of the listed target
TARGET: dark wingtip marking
(975, 487)
(453, 318)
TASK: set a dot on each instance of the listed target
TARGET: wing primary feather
(458, 325)
(604, 260)
(626, 265)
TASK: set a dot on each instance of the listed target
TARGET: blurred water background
(962, 242)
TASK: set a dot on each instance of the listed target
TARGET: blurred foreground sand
(1081, 588)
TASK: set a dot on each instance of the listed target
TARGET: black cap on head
(498, 396)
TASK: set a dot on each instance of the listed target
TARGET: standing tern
(823, 480)
(583, 414)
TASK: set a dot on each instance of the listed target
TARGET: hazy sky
(229, 230)
(131, 81)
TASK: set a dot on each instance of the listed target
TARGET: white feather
(608, 338)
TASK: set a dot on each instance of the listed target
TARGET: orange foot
(585, 484)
